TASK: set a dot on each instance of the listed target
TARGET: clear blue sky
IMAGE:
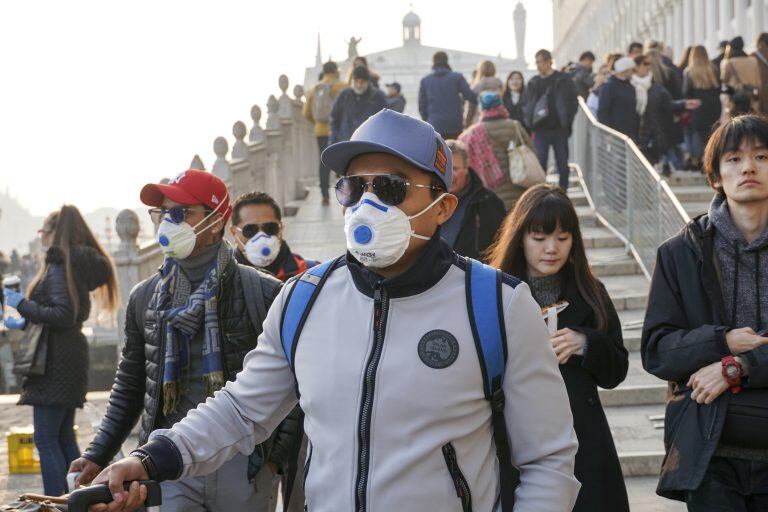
(99, 97)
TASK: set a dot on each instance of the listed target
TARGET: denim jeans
(55, 441)
(696, 148)
(731, 485)
(558, 140)
(322, 143)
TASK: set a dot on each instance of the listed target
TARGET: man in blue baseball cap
(427, 379)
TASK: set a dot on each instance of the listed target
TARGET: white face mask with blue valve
(262, 249)
(378, 234)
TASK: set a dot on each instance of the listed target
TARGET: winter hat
(489, 99)
(361, 73)
(623, 64)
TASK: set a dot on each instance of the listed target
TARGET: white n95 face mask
(378, 234)
(177, 241)
(262, 249)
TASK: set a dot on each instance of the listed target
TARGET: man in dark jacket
(354, 105)
(720, 56)
(442, 94)
(257, 227)
(395, 99)
(549, 104)
(707, 305)
(187, 330)
(583, 77)
(618, 100)
(480, 212)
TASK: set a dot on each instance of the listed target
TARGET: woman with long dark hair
(514, 88)
(541, 243)
(59, 300)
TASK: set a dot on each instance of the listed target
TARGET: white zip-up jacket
(389, 427)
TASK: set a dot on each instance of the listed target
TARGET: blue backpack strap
(298, 304)
(486, 316)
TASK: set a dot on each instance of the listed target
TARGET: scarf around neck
(183, 312)
(641, 92)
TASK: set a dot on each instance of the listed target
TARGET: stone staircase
(635, 409)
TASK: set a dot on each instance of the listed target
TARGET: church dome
(411, 20)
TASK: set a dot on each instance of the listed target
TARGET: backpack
(483, 284)
(322, 102)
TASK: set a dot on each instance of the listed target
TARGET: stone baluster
(288, 156)
(240, 166)
(197, 163)
(257, 132)
(273, 185)
(221, 166)
(305, 136)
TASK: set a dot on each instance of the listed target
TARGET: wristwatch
(146, 461)
(732, 371)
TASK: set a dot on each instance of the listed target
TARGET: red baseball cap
(190, 187)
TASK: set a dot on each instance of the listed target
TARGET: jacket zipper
(306, 474)
(380, 304)
(459, 482)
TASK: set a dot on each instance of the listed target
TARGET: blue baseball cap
(403, 136)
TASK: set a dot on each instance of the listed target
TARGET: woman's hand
(708, 383)
(12, 297)
(567, 342)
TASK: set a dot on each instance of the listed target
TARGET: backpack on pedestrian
(322, 102)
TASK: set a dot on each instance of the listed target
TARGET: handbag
(32, 355)
(524, 167)
(541, 108)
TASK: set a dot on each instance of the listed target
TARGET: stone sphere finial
(256, 114)
(298, 92)
(220, 147)
(240, 148)
(272, 104)
(283, 83)
(127, 226)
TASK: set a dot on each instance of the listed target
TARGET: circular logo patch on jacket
(438, 349)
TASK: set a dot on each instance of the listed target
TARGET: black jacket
(136, 393)
(684, 330)
(657, 123)
(565, 99)
(484, 214)
(350, 110)
(704, 117)
(66, 367)
(617, 108)
(515, 109)
(604, 363)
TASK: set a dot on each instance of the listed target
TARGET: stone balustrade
(280, 159)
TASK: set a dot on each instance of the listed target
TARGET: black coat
(136, 393)
(565, 99)
(684, 330)
(350, 110)
(66, 367)
(657, 123)
(484, 214)
(515, 109)
(605, 363)
(704, 117)
(617, 108)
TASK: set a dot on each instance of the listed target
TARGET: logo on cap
(214, 199)
(176, 180)
(440, 159)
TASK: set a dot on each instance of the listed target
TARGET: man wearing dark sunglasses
(187, 330)
(383, 358)
(257, 228)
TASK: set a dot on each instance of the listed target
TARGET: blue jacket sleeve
(604, 105)
(334, 120)
(466, 91)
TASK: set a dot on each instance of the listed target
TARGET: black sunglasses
(390, 188)
(268, 228)
(176, 213)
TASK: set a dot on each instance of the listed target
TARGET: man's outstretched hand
(115, 475)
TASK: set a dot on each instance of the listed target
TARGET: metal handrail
(627, 194)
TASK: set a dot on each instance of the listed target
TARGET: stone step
(686, 178)
(693, 193)
(639, 444)
(627, 292)
(577, 197)
(643, 498)
(639, 388)
(596, 237)
(612, 262)
(695, 209)
(587, 216)
(631, 327)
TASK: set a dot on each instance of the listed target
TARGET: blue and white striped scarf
(182, 313)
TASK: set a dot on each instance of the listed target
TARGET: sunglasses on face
(251, 230)
(176, 213)
(390, 188)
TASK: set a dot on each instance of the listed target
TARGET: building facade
(409, 63)
(605, 26)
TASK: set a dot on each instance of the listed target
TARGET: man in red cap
(187, 330)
